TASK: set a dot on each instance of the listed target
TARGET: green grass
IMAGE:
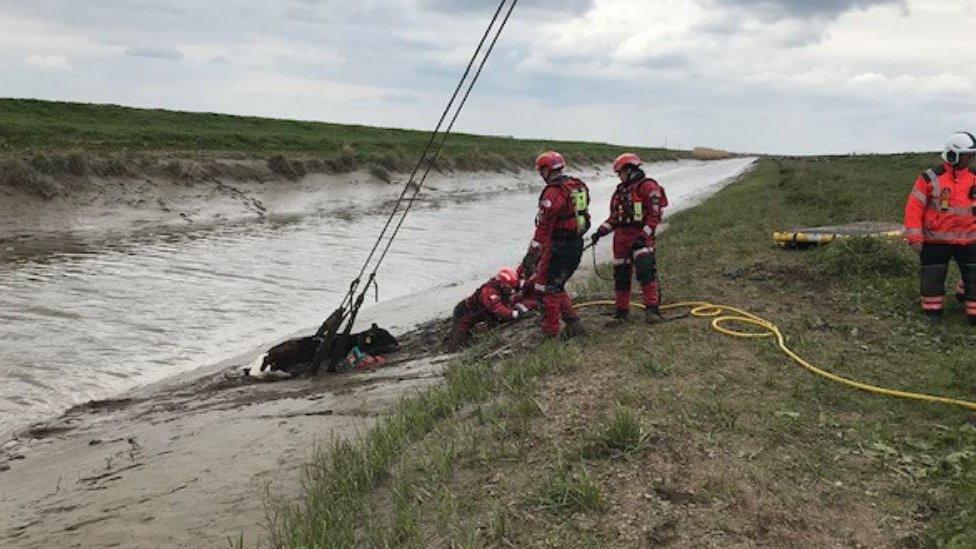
(597, 443)
(44, 128)
(621, 435)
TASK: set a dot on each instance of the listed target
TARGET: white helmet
(960, 143)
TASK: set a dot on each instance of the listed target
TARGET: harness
(578, 198)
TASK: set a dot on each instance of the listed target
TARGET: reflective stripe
(621, 261)
(648, 230)
(934, 180)
(535, 244)
(932, 303)
(545, 203)
(920, 196)
(540, 287)
(957, 210)
(913, 232)
(606, 227)
(642, 251)
(946, 236)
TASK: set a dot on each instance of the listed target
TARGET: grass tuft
(621, 435)
(864, 257)
(566, 489)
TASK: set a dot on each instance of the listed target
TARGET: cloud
(47, 62)
(151, 52)
(561, 7)
(744, 74)
(804, 8)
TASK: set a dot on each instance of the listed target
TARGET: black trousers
(934, 261)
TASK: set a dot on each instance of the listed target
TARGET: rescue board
(818, 236)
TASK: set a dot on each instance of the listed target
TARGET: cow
(294, 357)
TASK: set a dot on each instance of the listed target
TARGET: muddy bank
(199, 454)
(122, 202)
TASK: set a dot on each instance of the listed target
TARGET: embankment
(674, 434)
(54, 149)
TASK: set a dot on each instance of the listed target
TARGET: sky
(771, 76)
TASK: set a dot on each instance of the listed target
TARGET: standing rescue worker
(557, 246)
(493, 302)
(635, 212)
(940, 222)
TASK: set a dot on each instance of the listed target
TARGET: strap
(933, 178)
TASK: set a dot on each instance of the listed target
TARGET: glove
(515, 314)
(530, 261)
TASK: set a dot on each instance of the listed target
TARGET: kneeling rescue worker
(940, 222)
(557, 246)
(635, 212)
(493, 302)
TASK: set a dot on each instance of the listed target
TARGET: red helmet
(626, 159)
(551, 160)
(507, 277)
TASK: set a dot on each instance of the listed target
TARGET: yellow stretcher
(818, 236)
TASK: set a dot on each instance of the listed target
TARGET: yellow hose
(720, 314)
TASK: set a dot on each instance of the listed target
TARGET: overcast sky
(778, 76)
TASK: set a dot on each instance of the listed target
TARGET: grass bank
(677, 435)
(44, 138)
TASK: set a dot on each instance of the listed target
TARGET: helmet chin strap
(550, 175)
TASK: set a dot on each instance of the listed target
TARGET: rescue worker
(493, 302)
(940, 222)
(557, 245)
(635, 212)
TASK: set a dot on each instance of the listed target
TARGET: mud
(107, 468)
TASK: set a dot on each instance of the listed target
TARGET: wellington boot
(652, 315)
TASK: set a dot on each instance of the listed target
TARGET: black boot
(652, 314)
(620, 318)
(574, 327)
(933, 317)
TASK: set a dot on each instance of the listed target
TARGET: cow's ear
(375, 327)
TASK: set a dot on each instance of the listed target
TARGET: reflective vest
(638, 204)
(941, 208)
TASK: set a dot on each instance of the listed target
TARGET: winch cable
(334, 356)
(445, 135)
(430, 146)
(349, 306)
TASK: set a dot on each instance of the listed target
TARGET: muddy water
(90, 314)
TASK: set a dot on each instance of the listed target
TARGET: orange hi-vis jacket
(941, 208)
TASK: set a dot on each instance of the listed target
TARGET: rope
(348, 299)
(596, 268)
(723, 315)
(447, 132)
(329, 349)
